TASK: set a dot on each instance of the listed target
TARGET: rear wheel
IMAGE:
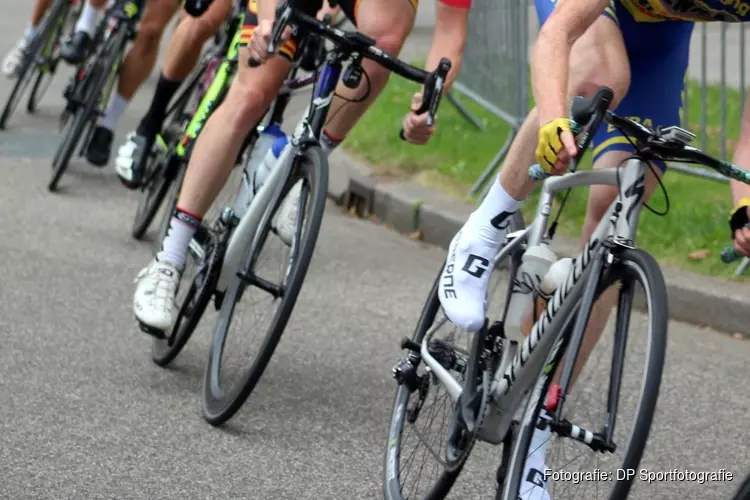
(602, 377)
(27, 71)
(423, 458)
(229, 382)
(46, 71)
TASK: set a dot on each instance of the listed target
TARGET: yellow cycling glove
(738, 216)
(550, 143)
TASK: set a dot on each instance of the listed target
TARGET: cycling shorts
(658, 53)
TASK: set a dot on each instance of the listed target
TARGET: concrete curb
(720, 304)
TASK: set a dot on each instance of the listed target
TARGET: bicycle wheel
(92, 88)
(422, 404)
(227, 384)
(631, 267)
(46, 71)
(192, 298)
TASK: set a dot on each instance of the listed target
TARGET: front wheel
(227, 382)
(603, 388)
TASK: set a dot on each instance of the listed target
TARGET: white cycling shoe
(466, 279)
(285, 218)
(153, 302)
(13, 59)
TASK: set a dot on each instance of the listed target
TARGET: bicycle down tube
(515, 377)
(243, 234)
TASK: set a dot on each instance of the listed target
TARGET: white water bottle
(554, 279)
(535, 263)
(263, 143)
(269, 162)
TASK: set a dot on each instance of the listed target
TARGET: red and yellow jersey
(731, 11)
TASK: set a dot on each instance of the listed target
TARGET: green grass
(458, 153)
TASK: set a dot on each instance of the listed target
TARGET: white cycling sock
(492, 216)
(535, 480)
(116, 107)
(88, 19)
(468, 268)
(181, 230)
(328, 142)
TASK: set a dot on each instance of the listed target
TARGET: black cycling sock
(151, 123)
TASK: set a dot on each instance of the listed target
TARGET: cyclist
(12, 60)
(640, 49)
(252, 91)
(182, 56)
(139, 61)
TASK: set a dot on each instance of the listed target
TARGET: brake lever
(433, 92)
(283, 16)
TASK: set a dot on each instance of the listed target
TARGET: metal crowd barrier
(495, 75)
(494, 71)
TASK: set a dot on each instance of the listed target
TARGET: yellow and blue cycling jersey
(730, 11)
(658, 55)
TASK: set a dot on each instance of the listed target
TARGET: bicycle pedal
(154, 332)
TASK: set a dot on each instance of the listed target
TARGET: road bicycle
(41, 57)
(89, 90)
(484, 386)
(202, 92)
(166, 169)
(163, 166)
(225, 256)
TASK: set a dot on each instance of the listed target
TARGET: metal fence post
(495, 67)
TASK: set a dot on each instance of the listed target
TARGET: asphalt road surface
(85, 414)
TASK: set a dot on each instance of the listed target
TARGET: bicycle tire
(24, 76)
(392, 487)
(44, 78)
(95, 83)
(162, 352)
(219, 405)
(634, 265)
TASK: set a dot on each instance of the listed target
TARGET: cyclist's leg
(136, 67)
(388, 23)
(74, 50)
(659, 58)
(182, 55)
(211, 162)
(12, 59)
(597, 58)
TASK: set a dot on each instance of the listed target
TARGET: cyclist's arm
(266, 9)
(551, 54)
(449, 39)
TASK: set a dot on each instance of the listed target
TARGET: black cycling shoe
(74, 50)
(100, 147)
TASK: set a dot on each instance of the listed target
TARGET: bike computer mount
(675, 134)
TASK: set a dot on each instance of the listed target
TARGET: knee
(244, 103)
(201, 28)
(149, 34)
(599, 59)
(598, 72)
(390, 43)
